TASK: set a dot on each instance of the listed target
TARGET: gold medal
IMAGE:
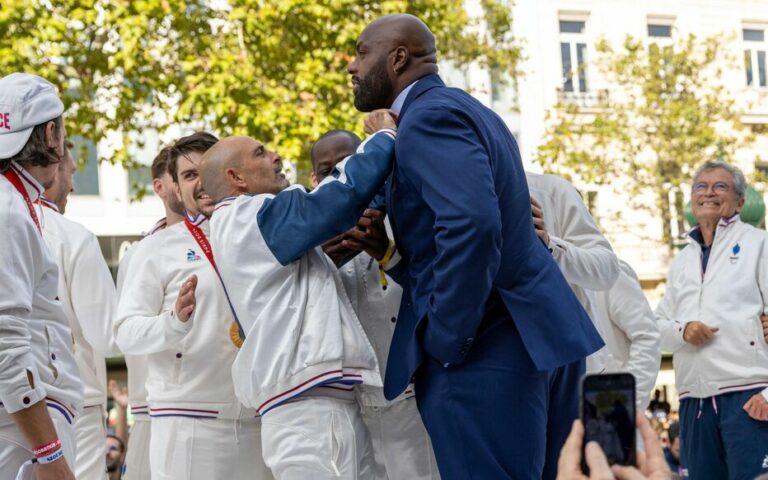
(234, 335)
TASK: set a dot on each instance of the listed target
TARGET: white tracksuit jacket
(35, 338)
(87, 295)
(631, 333)
(300, 332)
(583, 254)
(731, 295)
(136, 364)
(377, 309)
(188, 363)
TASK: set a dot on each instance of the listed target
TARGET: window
(87, 175)
(755, 49)
(140, 181)
(573, 55)
(659, 31)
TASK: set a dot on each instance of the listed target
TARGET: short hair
(356, 141)
(673, 431)
(36, 152)
(739, 181)
(119, 440)
(198, 142)
(160, 163)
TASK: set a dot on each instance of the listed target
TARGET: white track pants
(401, 444)
(91, 438)
(137, 452)
(183, 448)
(316, 438)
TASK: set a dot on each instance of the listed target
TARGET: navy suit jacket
(460, 210)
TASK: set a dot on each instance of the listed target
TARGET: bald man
(401, 445)
(487, 318)
(305, 349)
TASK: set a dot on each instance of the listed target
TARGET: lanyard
(15, 180)
(205, 246)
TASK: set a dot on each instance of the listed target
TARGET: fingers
(536, 210)
(535, 204)
(378, 214)
(185, 303)
(653, 460)
(757, 407)
(378, 119)
(626, 473)
(569, 464)
(597, 463)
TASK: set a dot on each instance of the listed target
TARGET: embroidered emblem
(735, 253)
(192, 256)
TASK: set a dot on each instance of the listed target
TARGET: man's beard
(113, 466)
(374, 89)
(175, 205)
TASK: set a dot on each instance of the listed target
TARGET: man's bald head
(237, 165)
(392, 52)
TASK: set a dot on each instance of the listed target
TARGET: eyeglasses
(717, 187)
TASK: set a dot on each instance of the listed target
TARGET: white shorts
(183, 448)
(136, 466)
(14, 450)
(401, 444)
(91, 438)
(314, 438)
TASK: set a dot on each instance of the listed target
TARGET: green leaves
(271, 69)
(666, 111)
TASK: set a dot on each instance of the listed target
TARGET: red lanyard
(199, 237)
(205, 246)
(15, 180)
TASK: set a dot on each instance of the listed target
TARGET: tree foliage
(666, 112)
(271, 69)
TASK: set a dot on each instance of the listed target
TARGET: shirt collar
(33, 187)
(47, 202)
(397, 105)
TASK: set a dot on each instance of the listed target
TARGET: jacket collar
(694, 234)
(32, 186)
(421, 86)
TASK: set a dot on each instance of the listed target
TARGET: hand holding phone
(608, 415)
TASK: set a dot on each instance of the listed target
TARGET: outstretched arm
(295, 221)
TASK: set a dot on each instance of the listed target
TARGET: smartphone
(608, 414)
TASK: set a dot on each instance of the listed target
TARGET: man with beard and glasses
(137, 458)
(401, 445)
(87, 294)
(174, 310)
(487, 318)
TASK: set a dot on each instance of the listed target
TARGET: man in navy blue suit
(488, 326)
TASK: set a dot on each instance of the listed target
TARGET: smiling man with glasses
(710, 319)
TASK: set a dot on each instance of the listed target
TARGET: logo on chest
(192, 256)
(735, 253)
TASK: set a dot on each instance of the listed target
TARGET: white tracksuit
(190, 393)
(36, 359)
(136, 464)
(87, 294)
(300, 332)
(583, 254)
(731, 296)
(631, 333)
(401, 444)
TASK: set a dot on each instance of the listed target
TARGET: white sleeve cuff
(393, 261)
(765, 394)
(177, 325)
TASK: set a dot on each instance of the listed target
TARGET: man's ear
(400, 57)
(313, 180)
(234, 178)
(50, 135)
(157, 186)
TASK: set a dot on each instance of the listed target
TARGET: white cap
(25, 102)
